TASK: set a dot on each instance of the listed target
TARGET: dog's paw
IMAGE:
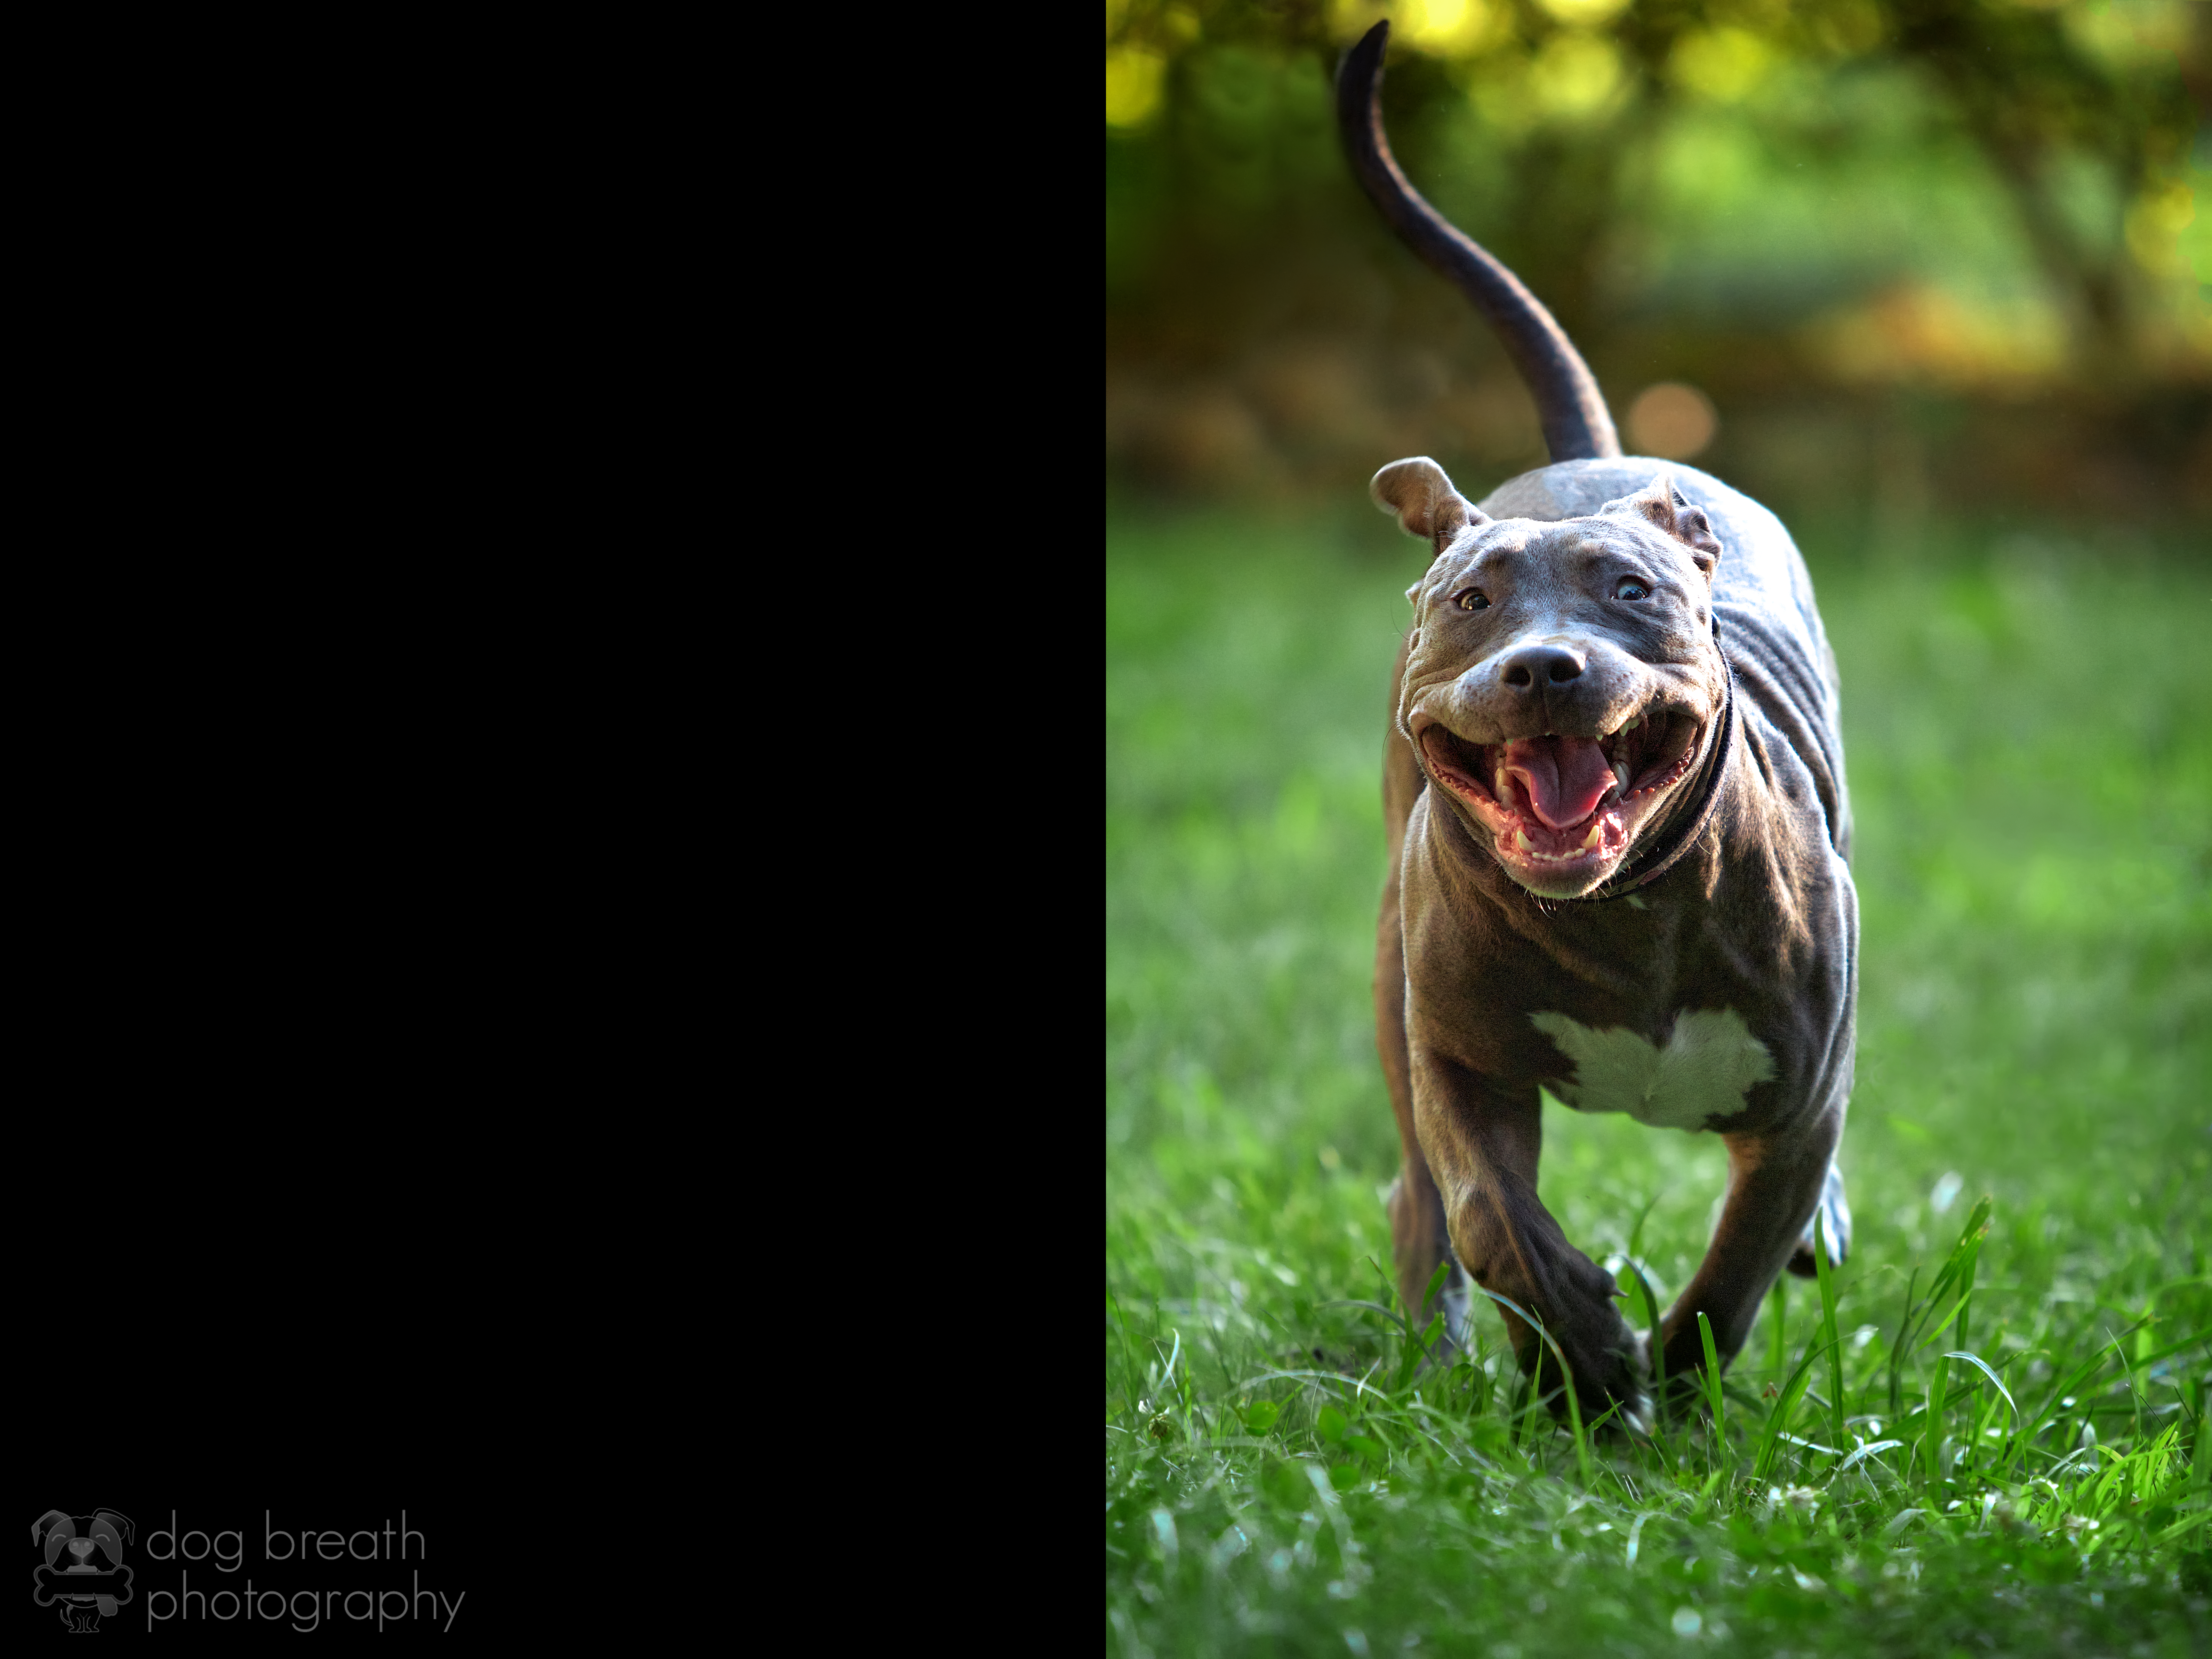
(1611, 1370)
(1623, 1385)
(1639, 1412)
(1834, 1215)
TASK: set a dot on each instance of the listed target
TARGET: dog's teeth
(1620, 772)
(1520, 840)
(1596, 834)
(1630, 725)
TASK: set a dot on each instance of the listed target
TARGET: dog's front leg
(1774, 1182)
(1482, 1148)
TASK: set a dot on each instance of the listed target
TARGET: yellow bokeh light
(1433, 22)
(1576, 75)
(1585, 14)
(1134, 81)
(1672, 420)
(1723, 64)
(1442, 29)
(2154, 225)
(2196, 238)
(2127, 33)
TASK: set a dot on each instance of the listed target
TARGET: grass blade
(1828, 1335)
(1655, 1345)
(1897, 1348)
(1435, 1283)
(1419, 1348)
(1959, 1272)
(1975, 1360)
(1792, 1391)
(1865, 1452)
(2072, 1384)
(2182, 1529)
(1636, 1233)
(1567, 1381)
(1654, 1337)
(1931, 1436)
(2169, 1352)
(1712, 1380)
(1390, 1313)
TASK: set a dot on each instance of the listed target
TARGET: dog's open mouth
(1564, 808)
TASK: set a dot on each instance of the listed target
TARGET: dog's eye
(1630, 588)
(1472, 599)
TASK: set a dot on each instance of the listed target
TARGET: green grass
(2029, 732)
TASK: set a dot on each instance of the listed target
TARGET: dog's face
(100, 1532)
(1562, 681)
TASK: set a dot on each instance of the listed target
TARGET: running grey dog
(1619, 840)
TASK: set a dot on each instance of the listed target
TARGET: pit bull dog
(1619, 846)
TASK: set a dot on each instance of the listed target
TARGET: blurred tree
(1992, 201)
(2036, 93)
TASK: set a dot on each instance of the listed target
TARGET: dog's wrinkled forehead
(1472, 543)
(1656, 521)
(1614, 526)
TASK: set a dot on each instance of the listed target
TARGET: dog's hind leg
(1419, 1239)
(1775, 1184)
(1834, 1214)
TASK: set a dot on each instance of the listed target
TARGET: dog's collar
(1670, 848)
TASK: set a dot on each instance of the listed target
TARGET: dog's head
(1562, 681)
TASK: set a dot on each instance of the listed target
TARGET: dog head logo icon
(83, 1570)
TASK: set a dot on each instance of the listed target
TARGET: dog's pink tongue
(1565, 777)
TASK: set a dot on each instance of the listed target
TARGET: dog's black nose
(1539, 664)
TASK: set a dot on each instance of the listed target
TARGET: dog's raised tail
(1568, 402)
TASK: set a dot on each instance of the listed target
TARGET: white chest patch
(1708, 1065)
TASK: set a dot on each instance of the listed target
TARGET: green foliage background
(1920, 254)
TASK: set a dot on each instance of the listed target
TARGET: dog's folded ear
(1665, 509)
(1423, 500)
